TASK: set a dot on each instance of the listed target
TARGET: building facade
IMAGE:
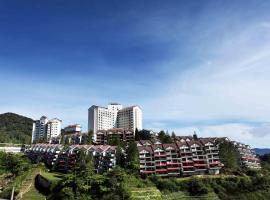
(39, 129)
(45, 129)
(130, 118)
(119, 134)
(114, 116)
(188, 156)
(54, 128)
(179, 158)
(73, 135)
(61, 159)
(247, 156)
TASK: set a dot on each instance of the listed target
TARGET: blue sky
(191, 65)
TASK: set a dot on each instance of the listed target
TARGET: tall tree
(173, 136)
(229, 156)
(137, 135)
(120, 157)
(164, 137)
(195, 137)
(89, 137)
(132, 156)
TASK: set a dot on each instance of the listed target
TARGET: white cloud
(231, 83)
(256, 136)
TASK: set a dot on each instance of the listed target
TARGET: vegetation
(142, 135)
(265, 161)
(89, 137)
(229, 156)
(14, 169)
(13, 163)
(165, 137)
(15, 128)
(225, 187)
(132, 159)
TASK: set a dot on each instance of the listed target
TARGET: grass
(27, 188)
(146, 193)
(33, 194)
(185, 196)
(9, 145)
(52, 176)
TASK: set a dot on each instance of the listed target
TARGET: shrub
(197, 187)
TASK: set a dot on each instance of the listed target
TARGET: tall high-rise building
(114, 116)
(46, 129)
(130, 118)
(53, 128)
(39, 128)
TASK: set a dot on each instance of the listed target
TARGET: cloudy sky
(191, 65)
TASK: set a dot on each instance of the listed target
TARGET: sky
(190, 65)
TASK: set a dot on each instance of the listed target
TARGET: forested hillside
(15, 128)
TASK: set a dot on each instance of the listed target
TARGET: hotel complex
(46, 129)
(186, 155)
(114, 116)
(61, 159)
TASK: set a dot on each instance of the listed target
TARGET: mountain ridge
(15, 128)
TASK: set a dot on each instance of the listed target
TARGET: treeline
(15, 128)
(83, 183)
(254, 185)
(15, 164)
(164, 137)
(13, 170)
(265, 161)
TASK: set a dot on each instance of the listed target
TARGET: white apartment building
(73, 129)
(130, 118)
(39, 128)
(47, 129)
(114, 116)
(54, 128)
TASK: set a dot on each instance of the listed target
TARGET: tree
(229, 156)
(132, 156)
(137, 135)
(195, 137)
(114, 141)
(173, 136)
(120, 157)
(89, 138)
(197, 187)
(164, 137)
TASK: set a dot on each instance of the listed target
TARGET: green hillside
(15, 128)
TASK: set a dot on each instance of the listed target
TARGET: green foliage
(13, 163)
(89, 137)
(114, 141)
(84, 165)
(265, 161)
(197, 187)
(107, 186)
(229, 156)
(142, 135)
(173, 136)
(132, 158)
(15, 128)
(195, 137)
(120, 157)
(164, 137)
(16, 168)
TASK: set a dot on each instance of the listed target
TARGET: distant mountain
(261, 151)
(15, 128)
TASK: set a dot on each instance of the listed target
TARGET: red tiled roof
(146, 148)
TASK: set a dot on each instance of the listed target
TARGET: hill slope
(15, 128)
(261, 151)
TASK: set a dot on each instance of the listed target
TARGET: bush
(197, 187)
